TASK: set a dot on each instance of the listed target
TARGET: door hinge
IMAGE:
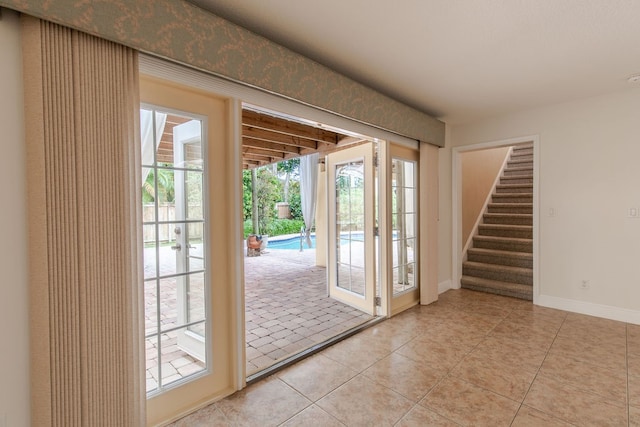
(375, 160)
(378, 301)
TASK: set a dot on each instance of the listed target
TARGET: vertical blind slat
(89, 112)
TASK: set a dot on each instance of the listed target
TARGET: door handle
(176, 247)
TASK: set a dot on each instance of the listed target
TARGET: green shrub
(277, 227)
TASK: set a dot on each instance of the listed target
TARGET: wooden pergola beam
(271, 146)
(287, 127)
(277, 137)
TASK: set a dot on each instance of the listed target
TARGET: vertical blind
(82, 125)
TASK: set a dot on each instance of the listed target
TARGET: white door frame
(456, 208)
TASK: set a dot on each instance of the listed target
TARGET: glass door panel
(189, 341)
(404, 227)
(174, 286)
(188, 179)
(351, 224)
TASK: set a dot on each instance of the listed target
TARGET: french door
(186, 278)
(403, 231)
(351, 242)
(189, 230)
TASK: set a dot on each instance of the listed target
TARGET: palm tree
(165, 186)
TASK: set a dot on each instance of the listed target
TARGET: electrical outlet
(634, 212)
(584, 284)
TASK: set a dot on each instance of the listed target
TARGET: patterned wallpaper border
(180, 31)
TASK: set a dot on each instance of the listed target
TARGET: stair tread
(507, 215)
(524, 172)
(529, 185)
(500, 253)
(514, 204)
(507, 226)
(498, 267)
(497, 284)
(500, 238)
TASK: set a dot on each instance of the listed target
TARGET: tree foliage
(271, 190)
(166, 188)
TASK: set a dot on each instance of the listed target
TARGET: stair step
(508, 218)
(503, 273)
(514, 188)
(517, 208)
(520, 161)
(512, 198)
(523, 148)
(526, 179)
(506, 230)
(497, 287)
(520, 171)
(492, 256)
(521, 156)
(513, 244)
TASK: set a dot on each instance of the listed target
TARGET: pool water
(294, 242)
(291, 243)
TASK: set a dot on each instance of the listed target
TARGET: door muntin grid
(350, 226)
(175, 278)
(404, 219)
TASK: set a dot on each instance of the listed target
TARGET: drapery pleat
(308, 191)
(82, 130)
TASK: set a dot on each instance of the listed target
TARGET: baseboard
(589, 308)
(444, 286)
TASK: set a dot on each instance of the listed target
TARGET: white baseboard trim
(444, 286)
(591, 309)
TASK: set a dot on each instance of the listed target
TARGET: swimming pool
(291, 243)
(294, 242)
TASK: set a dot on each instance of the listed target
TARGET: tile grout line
(476, 346)
(448, 374)
(538, 372)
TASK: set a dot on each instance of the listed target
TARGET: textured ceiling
(459, 60)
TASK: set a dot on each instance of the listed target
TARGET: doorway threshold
(286, 362)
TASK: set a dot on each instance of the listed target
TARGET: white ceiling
(459, 60)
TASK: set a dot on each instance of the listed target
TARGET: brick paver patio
(287, 310)
(287, 307)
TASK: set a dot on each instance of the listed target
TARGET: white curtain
(308, 191)
(146, 131)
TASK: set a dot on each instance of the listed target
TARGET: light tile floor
(469, 359)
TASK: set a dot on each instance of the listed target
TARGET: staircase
(500, 259)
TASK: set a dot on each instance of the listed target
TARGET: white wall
(479, 171)
(590, 176)
(14, 329)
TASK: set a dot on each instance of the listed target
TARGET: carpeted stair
(500, 259)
